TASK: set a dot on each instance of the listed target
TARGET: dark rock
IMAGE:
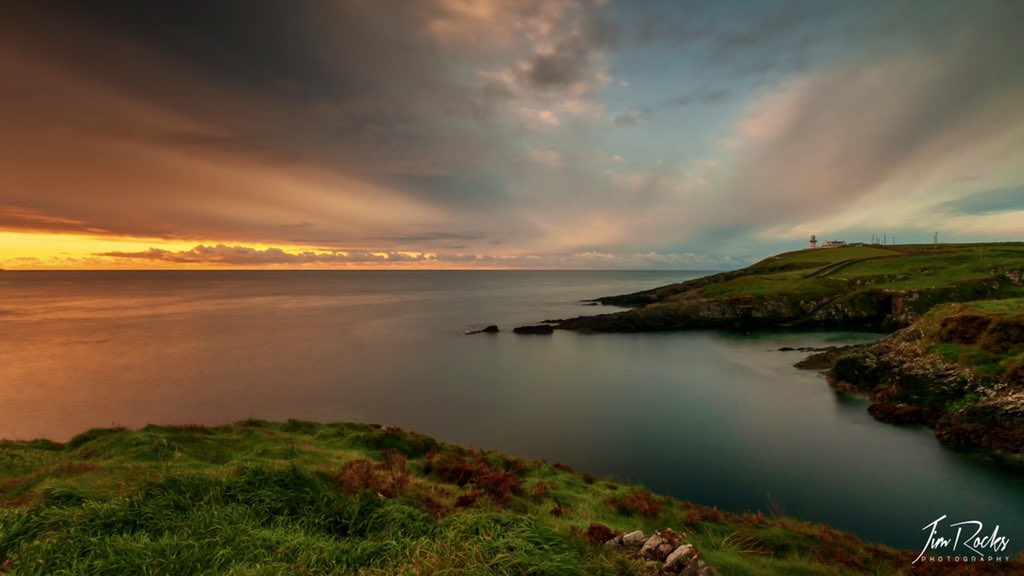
(537, 329)
(492, 329)
(909, 384)
(785, 349)
(996, 424)
(824, 358)
(904, 414)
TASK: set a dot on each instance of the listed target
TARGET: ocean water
(719, 418)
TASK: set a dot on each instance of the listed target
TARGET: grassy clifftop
(854, 286)
(301, 498)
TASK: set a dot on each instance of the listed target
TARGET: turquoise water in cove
(718, 418)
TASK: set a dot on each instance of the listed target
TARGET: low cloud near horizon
(516, 133)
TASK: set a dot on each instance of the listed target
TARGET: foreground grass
(258, 498)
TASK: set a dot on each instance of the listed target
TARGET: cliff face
(958, 369)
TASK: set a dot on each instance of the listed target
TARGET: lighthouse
(814, 242)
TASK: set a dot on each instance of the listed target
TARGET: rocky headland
(959, 369)
(954, 359)
(860, 287)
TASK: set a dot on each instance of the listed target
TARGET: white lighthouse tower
(814, 241)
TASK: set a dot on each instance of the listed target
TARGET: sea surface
(719, 418)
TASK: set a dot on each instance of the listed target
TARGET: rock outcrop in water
(958, 370)
(536, 329)
(492, 329)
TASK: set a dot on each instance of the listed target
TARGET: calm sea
(713, 417)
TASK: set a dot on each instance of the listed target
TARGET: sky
(502, 133)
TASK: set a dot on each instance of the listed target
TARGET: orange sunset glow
(46, 251)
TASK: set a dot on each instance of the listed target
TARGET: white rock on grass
(680, 558)
(656, 548)
(634, 539)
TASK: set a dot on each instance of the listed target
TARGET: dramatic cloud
(883, 136)
(503, 132)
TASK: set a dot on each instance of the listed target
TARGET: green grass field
(301, 498)
(815, 273)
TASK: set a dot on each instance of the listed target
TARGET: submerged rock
(537, 329)
(824, 358)
(492, 329)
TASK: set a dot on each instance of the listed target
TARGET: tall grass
(258, 498)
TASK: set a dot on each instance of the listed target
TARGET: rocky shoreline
(842, 289)
(954, 358)
(908, 382)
